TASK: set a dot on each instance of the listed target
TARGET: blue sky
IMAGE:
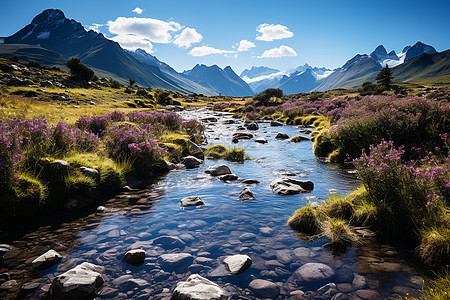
(281, 34)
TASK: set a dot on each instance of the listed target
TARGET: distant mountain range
(51, 39)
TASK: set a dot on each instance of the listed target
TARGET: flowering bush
(9, 155)
(98, 124)
(194, 128)
(169, 119)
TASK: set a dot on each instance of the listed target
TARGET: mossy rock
(305, 220)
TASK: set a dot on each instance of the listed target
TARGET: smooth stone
(228, 177)
(266, 231)
(46, 260)
(61, 164)
(169, 242)
(328, 290)
(82, 282)
(289, 186)
(197, 287)
(339, 296)
(302, 252)
(134, 257)
(191, 162)
(250, 181)
(261, 140)
(276, 123)
(359, 282)
(8, 251)
(281, 136)
(368, 294)
(284, 256)
(297, 139)
(7, 285)
(175, 260)
(28, 287)
(192, 201)
(196, 150)
(89, 172)
(246, 194)
(253, 126)
(101, 209)
(313, 273)
(218, 170)
(264, 288)
(247, 236)
(238, 263)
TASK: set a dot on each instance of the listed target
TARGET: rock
(276, 123)
(7, 285)
(246, 194)
(218, 170)
(281, 136)
(101, 209)
(8, 251)
(237, 264)
(228, 177)
(241, 136)
(175, 260)
(46, 83)
(89, 172)
(339, 296)
(81, 282)
(46, 260)
(289, 186)
(191, 162)
(264, 288)
(266, 231)
(209, 120)
(228, 121)
(169, 166)
(250, 181)
(261, 140)
(247, 236)
(195, 150)
(359, 282)
(197, 287)
(313, 273)
(253, 126)
(192, 201)
(134, 257)
(368, 294)
(297, 139)
(4, 277)
(169, 242)
(27, 288)
(328, 290)
(61, 165)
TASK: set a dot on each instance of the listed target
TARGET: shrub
(339, 234)
(79, 71)
(114, 84)
(170, 119)
(29, 196)
(265, 96)
(435, 246)
(195, 129)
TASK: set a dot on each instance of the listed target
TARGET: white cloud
(156, 31)
(206, 50)
(132, 42)
(138, 10)
(187, 37)
(245, 45)
(95, 27)
(278, 52)
(270, 32)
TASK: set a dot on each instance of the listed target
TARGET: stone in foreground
(175, 260)
(246, 194)
(81, 282)
(264, 288)
(313, 273)
(288, 186)
(253, 126)
(192, 201)
(46, 260)
(237, 264)
(218, 170)
(191, 162)
(197, 287)
(134, 257)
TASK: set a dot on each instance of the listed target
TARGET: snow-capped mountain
(392, 59)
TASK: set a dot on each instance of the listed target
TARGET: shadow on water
(223, 226)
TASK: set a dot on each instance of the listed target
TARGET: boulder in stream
(218, 170)
(253, 126)
(281, 136)
(197, 287)
(289, 186)
(246, 194)
(46, 260)
(238, 263)
(192, 201)
(191, 162)
(134, 257)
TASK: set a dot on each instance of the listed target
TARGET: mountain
(423, 66)
(362, 68)
(225, 81)
(257, 72)
(53, 31)
(299, 82)
(179, 78)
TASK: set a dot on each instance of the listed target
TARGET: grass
(338, 233)
(305, 219)
(219, 151)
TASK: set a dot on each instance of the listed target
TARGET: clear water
(227, 226)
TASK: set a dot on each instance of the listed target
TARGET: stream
(224, 226)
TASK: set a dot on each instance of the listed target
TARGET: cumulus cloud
(138, 10)
(95, 27)
(156, 31)
(278, 52)
(245, 45)
(206, 50)
(270, 32)
(187, 37)
(132, 42)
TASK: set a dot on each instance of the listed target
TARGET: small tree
(384, 78)
(265, 96)
(132, 81)
(80, 71)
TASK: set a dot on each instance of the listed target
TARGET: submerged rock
(46, 260)
(246, 194)
(289, 186)
(241, 136)
(261, 140)
(175, 260)
(81, 282)
(264, 288)
(134, 257)
(191, 162)
(237, 264)
(228, 177)
(313, 273)
(218, 170)
(192, 201)
(169, 242)
(197, 287)
(250, 181)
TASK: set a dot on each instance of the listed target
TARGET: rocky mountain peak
(49, 16)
